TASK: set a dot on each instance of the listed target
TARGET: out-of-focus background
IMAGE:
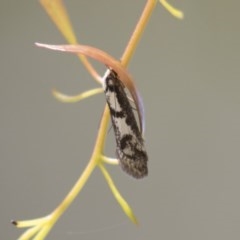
(188, 73)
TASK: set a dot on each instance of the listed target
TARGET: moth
(130, 148)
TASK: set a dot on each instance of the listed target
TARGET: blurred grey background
(188, 73)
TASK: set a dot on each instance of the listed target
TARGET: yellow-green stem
(100, 141)
(141, 25)
(99, 145)
(96, 156)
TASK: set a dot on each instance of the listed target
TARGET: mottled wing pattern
(130, 144)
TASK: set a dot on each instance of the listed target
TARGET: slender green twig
(40, 227)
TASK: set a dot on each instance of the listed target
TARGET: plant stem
(88, 170)
(140, 27)
(99, 145)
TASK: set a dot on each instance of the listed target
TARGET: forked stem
(99, 145)
(96, 158)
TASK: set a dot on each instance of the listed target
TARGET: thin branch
(139, 29)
